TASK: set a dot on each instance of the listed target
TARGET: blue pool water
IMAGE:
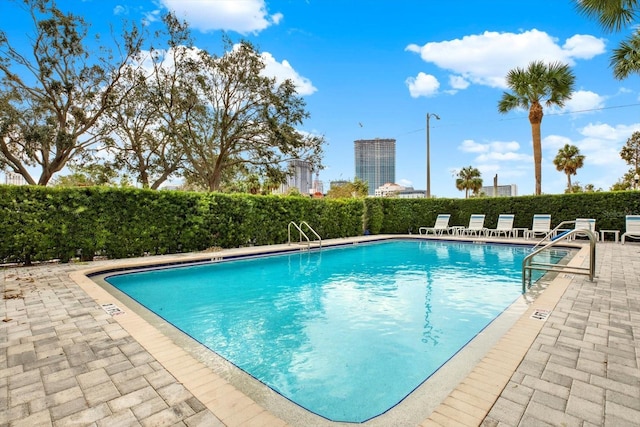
(347, 332)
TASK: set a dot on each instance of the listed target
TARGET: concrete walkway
(66, 361)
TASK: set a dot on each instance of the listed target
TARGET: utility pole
(429, 115)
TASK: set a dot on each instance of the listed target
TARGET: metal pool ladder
(303, 238)
(528, 264)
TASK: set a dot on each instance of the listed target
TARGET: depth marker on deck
(540, 314)
(112, 309)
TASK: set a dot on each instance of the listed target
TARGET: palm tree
(569, 160)
(613, 16)
(469, 179)
(552, 84)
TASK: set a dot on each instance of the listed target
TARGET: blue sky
(374, 69)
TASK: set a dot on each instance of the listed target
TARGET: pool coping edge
(468, 403)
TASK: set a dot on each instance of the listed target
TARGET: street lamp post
(429, 115)
(636, 178)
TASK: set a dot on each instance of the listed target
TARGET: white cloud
(624, 90)
(244, 17)
(600, 144)
(488, 171)
(584, 101)
(583, 46)
(405, 182)
(500, 147)
(503, 157)
(603, 155)
(458, 82)
(276, 18)
(422, 85)
(498, 157)
(153, 16)
(607, 132)
(120, 10)
(470, 146)
(166, 56)
(278, 70)
(283, 70)
(505, 175)
(486, 58)
(552, 143)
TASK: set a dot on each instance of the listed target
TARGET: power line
(564, 113)
(561, 113)
(594, 109)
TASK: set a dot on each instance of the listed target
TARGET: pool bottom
(411, 411)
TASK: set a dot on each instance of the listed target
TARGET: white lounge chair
(632, 227)
(541, 225)
(476, 225)
(441, 225)
(585, 224)
(504, 226)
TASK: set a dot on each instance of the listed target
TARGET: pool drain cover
(540, 314)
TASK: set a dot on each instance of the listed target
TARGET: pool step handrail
(302, 234)
(553, 233)
(528, 264)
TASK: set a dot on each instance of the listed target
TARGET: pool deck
(67, 360)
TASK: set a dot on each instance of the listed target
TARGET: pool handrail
(528, 265)
(553, 232)
(303, 234)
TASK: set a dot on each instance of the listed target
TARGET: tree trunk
(535, 118)
(214, 181)
(45, 176)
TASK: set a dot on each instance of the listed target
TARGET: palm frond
(613, 15)
(625, 59)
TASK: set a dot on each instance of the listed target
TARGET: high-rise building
(318, 187)
(300, 176)
(375, 162)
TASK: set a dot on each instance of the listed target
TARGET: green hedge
(40, 223)
(407, 215)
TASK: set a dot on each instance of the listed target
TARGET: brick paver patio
(65, 361)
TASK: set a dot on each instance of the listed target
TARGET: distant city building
(171, 187)
(375, 162)
(12, 178)
(397, 190)
(337, 183)
(410, 193)
(318, 187)
(388, 190)
(502, 190)
(299, 176)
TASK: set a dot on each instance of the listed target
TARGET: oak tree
(53, 92)
(240, 118)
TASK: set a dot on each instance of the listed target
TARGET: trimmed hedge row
(407, 215)
(40, 223)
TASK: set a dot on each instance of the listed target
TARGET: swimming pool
(348, 332)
